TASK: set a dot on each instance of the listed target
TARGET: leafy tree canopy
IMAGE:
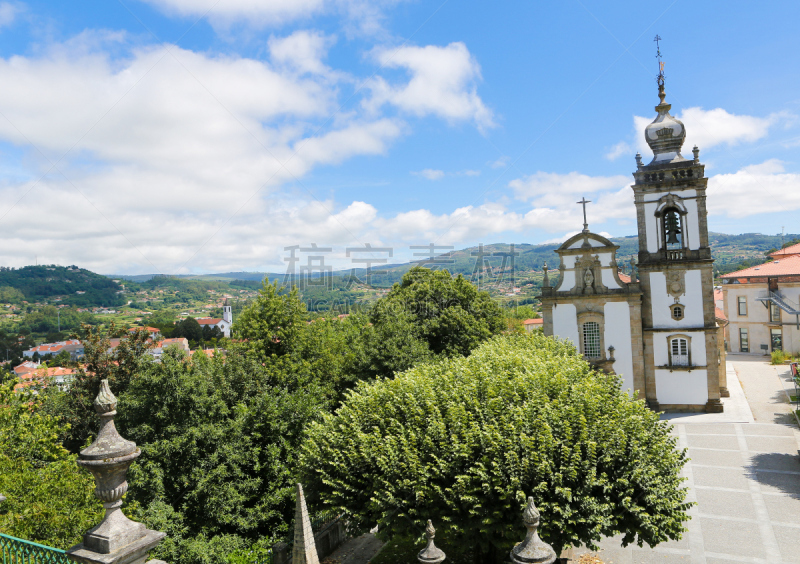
(50, 500)
(463, 441)
(219, 439)
(451, 314)
(42, 282)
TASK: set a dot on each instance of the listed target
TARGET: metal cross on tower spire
(583, 202)
(660, 77)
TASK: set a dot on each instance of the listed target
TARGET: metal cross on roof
(583, 202)
(660, 77)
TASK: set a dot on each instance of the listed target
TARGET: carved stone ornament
(532, 550)
(676, 284)
(430, 554)
(117, 539)
(587, 273)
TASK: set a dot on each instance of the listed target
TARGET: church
(659, 332)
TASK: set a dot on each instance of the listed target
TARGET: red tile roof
(718, 295)
(624, 277)
(209, 320)
(719, 314)
(538, 321)
(791, 250)
(40, 376)
(786, 266)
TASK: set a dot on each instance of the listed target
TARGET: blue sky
(181, 136)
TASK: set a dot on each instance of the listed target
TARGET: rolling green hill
(75, 286)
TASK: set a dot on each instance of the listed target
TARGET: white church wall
(651, 226)
(569, 261)
(618, 334)
(693, 231)
(692, 300)
(605, 259)
(568, 281)
(697, 347)
(565, 322)
(682, 387)
(608, 279)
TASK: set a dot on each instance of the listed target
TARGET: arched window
(673, 229)
(591, 340)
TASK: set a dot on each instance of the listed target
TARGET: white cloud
(621, 148)
(367, 15)
(9, 12)
(548, 187)
(755, 189)
(470, 173)
(706, 129)
(501, 162)
(303, 51)
(430, 174)
(443, 83)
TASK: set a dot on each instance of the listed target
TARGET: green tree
(271, 324)
(119, 365)
(190, 329)
(61, 359)
(50, 500)
(464, 441)
(450, 314)
(219, 449)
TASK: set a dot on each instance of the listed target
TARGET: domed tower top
(665, 135)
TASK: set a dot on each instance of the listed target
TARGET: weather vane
(660, 78)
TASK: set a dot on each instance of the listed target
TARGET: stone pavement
(744, 477)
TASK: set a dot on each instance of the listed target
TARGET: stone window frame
(688, 340)
(598, 318)
(681, 308)
(741, 301)
(773, 310)
(743, 332)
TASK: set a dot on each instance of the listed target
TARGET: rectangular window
(679, 352)
(776, 339)
(744, 341)
(742, 305)
(591, 339)
(774, 313)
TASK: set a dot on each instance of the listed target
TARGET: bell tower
(682, 370)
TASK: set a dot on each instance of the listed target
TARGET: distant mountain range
(730, 253)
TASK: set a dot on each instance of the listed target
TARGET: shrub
(463, 441)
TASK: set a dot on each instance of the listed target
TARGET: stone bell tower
(682, 371)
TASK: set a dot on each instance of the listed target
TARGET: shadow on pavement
(777, 472)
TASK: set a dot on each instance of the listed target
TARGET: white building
(761, 304)
(224, 323)
(659, 334)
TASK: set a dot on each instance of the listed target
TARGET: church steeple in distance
(665, 135)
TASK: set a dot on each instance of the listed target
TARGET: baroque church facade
(659, 332)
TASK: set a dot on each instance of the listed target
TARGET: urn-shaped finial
(430, 554)
(105, 401)
(546, 279)
(108, 459)
(532, 550)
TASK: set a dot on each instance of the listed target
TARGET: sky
(200, 136)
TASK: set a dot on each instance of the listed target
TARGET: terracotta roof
(538, 321)
(148, 329)
(791, 250)
(718, 295)
(785, 266)
(26, 367)
(719, 314)
(209, 320)
(39, 376)
(624, 277)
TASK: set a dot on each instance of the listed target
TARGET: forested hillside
(76, 286)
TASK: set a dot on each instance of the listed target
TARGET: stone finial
(638, 160)
(633, 271)
(117, 539)
(532, 550)
(304, 550)
(546, 279)
(696, 153)
(611, 350)
(430, 554)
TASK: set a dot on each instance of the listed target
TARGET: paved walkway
(744, 477)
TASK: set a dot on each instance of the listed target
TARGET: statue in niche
(588, 281)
